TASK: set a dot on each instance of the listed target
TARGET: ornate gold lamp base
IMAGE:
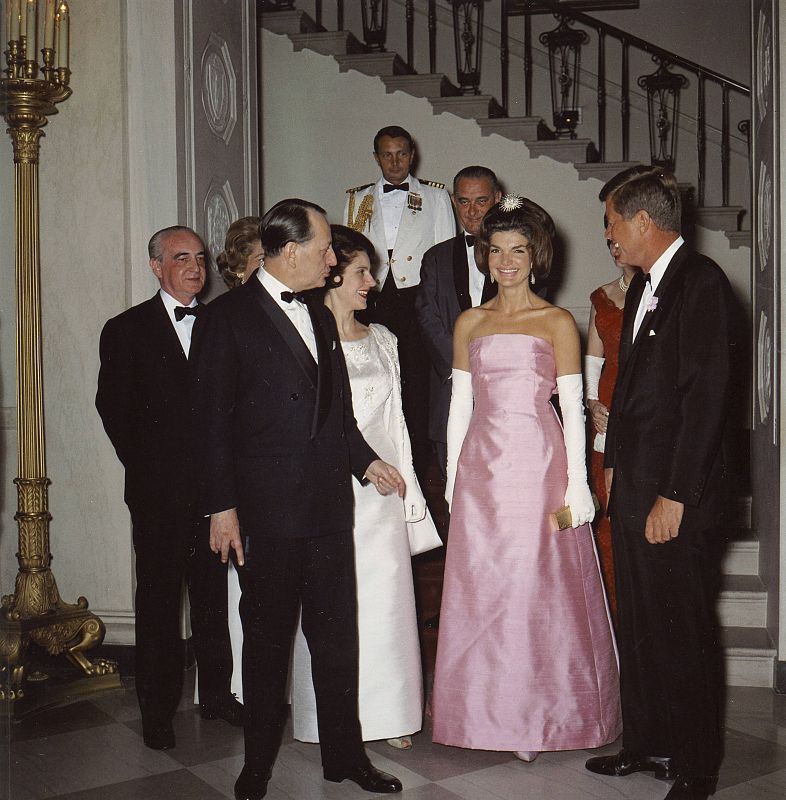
(36, 627)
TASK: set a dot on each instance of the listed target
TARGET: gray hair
(155, 247)
(477, 173)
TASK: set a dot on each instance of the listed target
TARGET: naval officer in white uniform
(403, 217)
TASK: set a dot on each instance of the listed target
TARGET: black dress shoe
(626, 763)
(686, 788)
(229, 710)
(159, 738)
(251, 784)
(367, 777)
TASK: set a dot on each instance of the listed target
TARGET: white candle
(31, 20)
(49, 24)
(62, 35)
(13, 19)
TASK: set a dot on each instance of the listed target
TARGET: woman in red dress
(601, 362)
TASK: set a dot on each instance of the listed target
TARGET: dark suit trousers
(280, 574)
(167, 553)
(395, 309)
(671, 676)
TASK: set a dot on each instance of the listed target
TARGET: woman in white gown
(390, 698)
(387, 530)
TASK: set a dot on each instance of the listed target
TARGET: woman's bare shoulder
(558, 319)
(467, 320)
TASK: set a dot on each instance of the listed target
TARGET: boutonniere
(414, 202)
(652, 303)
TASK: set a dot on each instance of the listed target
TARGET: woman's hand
(600, 415)
(386, 478)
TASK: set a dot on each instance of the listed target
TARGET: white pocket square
(652, 333)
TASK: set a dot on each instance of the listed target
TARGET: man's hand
(663, 521)
(225, 533)
(385, 478)
(600, 415)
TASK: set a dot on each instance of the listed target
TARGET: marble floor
(93, 750)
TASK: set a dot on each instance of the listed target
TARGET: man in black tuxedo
(450, 282)
(144, 400)
(281, 446)
(666, 472)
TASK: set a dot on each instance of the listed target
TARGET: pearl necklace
(621, 283)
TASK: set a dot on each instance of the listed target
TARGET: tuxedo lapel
(461, 272)
(288, 331)
(632, 299)
(164, 332)
(673, 269)
(324, 371)
(489, 289)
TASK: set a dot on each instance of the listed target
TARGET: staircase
(742, 606)
(444, 96)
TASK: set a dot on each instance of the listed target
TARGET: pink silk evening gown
(525, 656)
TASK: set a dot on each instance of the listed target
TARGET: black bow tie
(185, 311)
(389, 187)
(470, 240)
(288, 297)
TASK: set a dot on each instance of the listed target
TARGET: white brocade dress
(390, 697)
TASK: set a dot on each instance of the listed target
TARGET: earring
(491, 277)
(532, 277)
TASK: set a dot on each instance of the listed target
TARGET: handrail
(642, 44)
(604, 30)
(662, 86)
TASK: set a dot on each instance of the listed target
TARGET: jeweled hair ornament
(510, 202)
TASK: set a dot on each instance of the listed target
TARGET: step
(749, 656)
(569, 151)
(291, 21)
(742, 602)
(428, 85)
(375, 64)
(468, 106)
(327, 43)
(741, 557)
(519, 129)
(604, 171)
(719, 218)
(738, 239)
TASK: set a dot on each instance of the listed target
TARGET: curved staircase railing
(575, 32)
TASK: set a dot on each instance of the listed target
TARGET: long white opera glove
(593, 366)
(578, 495)
(461, 405)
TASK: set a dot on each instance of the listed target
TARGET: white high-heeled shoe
(401, 742)
(527, 755)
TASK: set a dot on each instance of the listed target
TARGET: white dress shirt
(392, 205)
(476, 278)
(184, 326)
(296, 311)
(651, 287)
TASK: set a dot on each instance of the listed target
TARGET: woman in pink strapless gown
(525, 658)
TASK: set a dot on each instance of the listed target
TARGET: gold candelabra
(35, 613)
